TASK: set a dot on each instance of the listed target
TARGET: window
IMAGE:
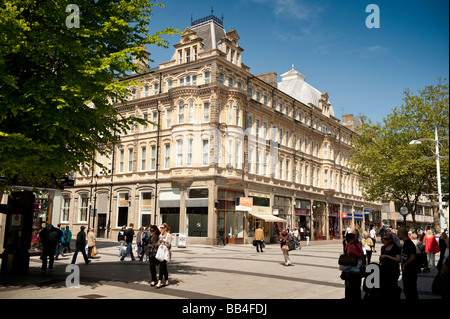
(133, 94)
(250, 124)
(122, 213)
(207, 76)
(65, 209)
(180, 56)
(179, 153)
(189, 152)
(205, 112)
(250, 92)
(169, 84)
(166, 156)
(83, 208)
(191, 112)
(154, 120)
(258, 127)
(258, 163)
(274, 104)
(181, 113)
(205, 153)
(258, 96)
(230, 113)
(230, 153)
(221, 78)
(230, 82)
(266, 160)
(187, 53)
(130, 159)
(266, 100)
(288, 174)
(325, 150)
(144, 126)
(153, 158)
(146, 208)
(325, 178)
(168, 118)
(250, 161)
(238, 116)
(266, 130)
(121, 156)
(146, 91)
(155, 89)
(194, 48)
(143, 156)
(238, 154)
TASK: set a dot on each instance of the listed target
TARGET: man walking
(49, 237)
(409, 265)
(129, 235)
(80, 245)
(259, 237)
(373, 236)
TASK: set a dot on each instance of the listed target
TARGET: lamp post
(438, 169)
(404, 212)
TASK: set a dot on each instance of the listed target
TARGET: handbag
(348, 260)
(161, 253)
(254, 242)
(291, 245)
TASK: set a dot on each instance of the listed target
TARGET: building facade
(223, 134)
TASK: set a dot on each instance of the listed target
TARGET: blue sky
(365, 71)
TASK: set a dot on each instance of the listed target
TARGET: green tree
(58, 80)
(392, 169)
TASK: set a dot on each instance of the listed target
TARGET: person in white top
(373, 236)
(165, 238)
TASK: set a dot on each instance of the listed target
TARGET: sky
(365, 71)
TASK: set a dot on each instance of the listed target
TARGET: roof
(210, 31)
(293, 83)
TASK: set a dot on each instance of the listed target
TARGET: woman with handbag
(153, 244)
(165, 239)
(353, 279)
(284, 240)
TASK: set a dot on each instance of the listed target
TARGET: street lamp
(404, 211)
(438, 169)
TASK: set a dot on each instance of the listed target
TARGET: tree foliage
(392, 169)
(57, 83)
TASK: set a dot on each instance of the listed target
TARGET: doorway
(101, 226)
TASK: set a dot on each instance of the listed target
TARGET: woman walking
(431, 248)
(284, 239)
(153, 244)
(165, 238)
(353, 279)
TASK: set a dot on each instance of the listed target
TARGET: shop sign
(347, 215)
(366, 212)
(302, 212)
(275, 212)
(245, 204)
(358, 216)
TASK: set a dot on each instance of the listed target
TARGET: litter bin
(175, 239)
(182, 240)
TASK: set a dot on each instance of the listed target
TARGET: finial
(212, 11)
(292, 66)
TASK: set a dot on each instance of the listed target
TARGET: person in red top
(431, 247)
(353, 280)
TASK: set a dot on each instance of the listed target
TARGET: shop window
(122, 214)
(198, 193)
(146, 208)
(197, 221)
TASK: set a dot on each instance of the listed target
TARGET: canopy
(269, 218)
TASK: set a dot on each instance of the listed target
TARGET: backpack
(52, 236)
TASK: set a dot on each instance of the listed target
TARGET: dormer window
(187, 53)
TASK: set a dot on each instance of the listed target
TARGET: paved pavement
(197, 272)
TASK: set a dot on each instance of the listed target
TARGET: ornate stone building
(223, 134)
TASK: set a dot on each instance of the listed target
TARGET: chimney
(143, 64)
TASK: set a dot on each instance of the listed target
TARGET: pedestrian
(165, 238)
(128, 237)
(353, 279)
(60, 248)
(259, 238)
(141, 240)
(49, 238)
(121, 240)
(409, 265)
(394, 236)
(67, 239)
(284, 240)
(367, 244)
(80, 246)
(431, 248)
(221, 236)
(91, 242)
(307, 235)
(442, 249)
(373, 236)
(389, 268)
(153, 244)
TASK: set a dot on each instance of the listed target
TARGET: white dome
(293, 83)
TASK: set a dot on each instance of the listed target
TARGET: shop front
(359, 225)
(347, 218)
(228, 218)
(333, 221)
(169, 211)
(319, 220)
(302, 216)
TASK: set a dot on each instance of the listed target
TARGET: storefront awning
(269, 218)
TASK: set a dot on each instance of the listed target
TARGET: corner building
(223, 133)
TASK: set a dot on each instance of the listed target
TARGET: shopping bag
(161, 253)
(94, 251)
